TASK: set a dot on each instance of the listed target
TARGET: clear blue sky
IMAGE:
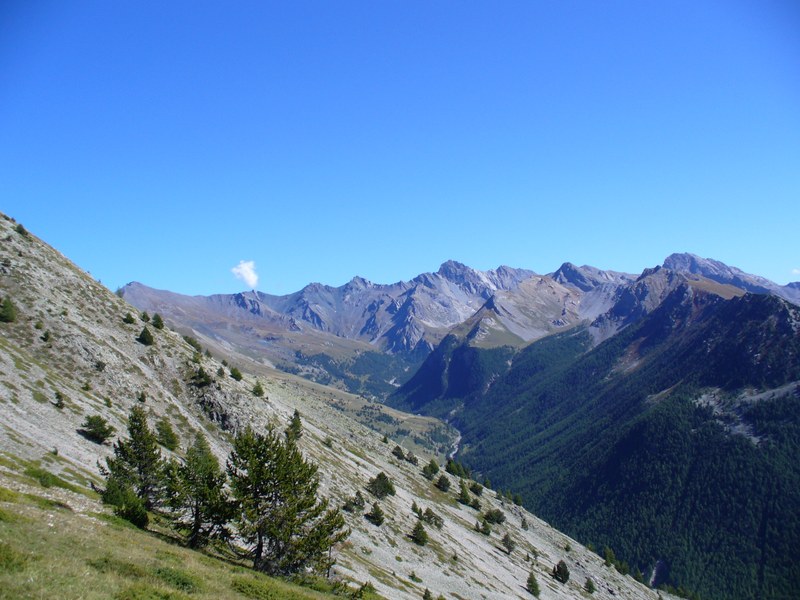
(164, 142)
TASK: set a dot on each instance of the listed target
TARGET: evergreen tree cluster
(267, 494)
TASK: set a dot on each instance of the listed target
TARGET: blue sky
(165, 142)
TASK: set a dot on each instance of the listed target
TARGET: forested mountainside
(673, 442)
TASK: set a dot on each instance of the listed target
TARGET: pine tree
(418, 535)
(8, 312)
(137, 462)
(463, 496)
(399, 453)
(287, 527)
(443, 483)
(166, 435)
(128, 319)
(258, 389)
(295, 429)
(145, 337)
(589, 586)
(561, 572)
(427, 595)
(157, 321)
(430, 470)
(236, 374)
(508, 543)
(197, 495)
(375, 516)
(381, 486)
(96, 429)
(533, 585)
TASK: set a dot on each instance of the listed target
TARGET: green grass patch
(47, 479)
(144, 591)
(7, 495)
(178, 579)
(11, 560)
(109, 564)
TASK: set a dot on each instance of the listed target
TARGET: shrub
(443, 483)
(236, 374)
(533, 585)
(381, 486)
(21, 230)
(145, 337)
(430, 470)
(418, 535)
(128, 319)
(8, 312)
(145, 317)
(398, 452)
(375, 516)
(508, 543)
(96, 429)
(258, 390)
(157, 321)
(589, 585)
(561, 572)
(495, 516)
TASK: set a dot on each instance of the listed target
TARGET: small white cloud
(795, 271)
(246, 271)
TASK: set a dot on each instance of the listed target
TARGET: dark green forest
(643, 444)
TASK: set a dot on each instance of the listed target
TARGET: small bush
(8, 312)
(128, 319)
(443, 483)
(236, 374)
(157, 321)
(418, 535)
(258, 389)
(561, 572)
(145, 337)
(381, 486)
(96, 429)
(376, 515)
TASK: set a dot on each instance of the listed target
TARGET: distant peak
(452, 268)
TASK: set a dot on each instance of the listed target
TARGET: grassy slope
(53, 545)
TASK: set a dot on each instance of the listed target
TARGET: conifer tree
(137, 462)
(427, 595)
(96, 429)
(295, 429)
(561, 572)
(381, 486)
(418, 535)
(463, 496)
(533, 585)
(8, 312)
(258, 389)
(157, 321)
(197, 495)
(443, 483)
(508, 543)
(166, 435)
(375, 516)
(145, 337)
(287, 527)
(430, 470)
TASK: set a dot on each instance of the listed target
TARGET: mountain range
(70, 349)
(655, 414)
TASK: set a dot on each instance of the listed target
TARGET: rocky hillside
(69, 353)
